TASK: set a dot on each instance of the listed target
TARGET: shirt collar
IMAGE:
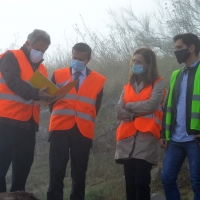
(185, 69)
(194, 64)
(83, 71)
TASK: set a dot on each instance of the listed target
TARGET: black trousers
(62, 145)
(17, 146)
(137, 178)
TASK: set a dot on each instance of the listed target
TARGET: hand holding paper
(49, 92)
(43, 95)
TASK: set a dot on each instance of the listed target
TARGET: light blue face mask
(36, 56)
(138, 69)
(77, 65)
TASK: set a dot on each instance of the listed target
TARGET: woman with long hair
(140, 112)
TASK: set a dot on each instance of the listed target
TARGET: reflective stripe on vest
(169, 109)
(195, 115)
(87, 100)
(167, 127)
(15, 98)
(63, 112)
(151, 116)
(70, 97)
(196, 97)
(80, 98)
(73, 113)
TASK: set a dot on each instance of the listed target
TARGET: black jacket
(175, 95)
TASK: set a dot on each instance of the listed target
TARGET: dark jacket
(99, 96)
(175, 95)
(10, 70)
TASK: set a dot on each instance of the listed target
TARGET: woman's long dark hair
(151, 74)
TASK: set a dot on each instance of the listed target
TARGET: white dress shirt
(81, 77)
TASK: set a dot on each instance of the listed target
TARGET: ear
(87, 62)
(192, 48)
(27, 44)
(146, 66)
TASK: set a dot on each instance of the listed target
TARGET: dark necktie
(77, 74)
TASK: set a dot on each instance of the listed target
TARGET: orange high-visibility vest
(148, 123)
(76, 107)
(12, 105)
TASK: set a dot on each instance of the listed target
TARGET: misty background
(128, 26)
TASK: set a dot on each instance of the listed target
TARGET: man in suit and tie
(72, 124)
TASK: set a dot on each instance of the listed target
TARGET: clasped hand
(128, 107)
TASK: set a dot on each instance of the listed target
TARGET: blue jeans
(175, 155)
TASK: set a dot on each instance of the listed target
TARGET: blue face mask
(77, 65)
(138, 69)
(36, 56)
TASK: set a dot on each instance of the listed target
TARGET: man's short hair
(39, 35)
(189, 39)
(82, 47)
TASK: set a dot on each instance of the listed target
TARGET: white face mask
(36, 56)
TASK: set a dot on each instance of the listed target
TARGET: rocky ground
(17, 196)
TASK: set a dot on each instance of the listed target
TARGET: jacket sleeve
(150, 105)
(162, 132)
(98, 101)
(10, 70)
(123, 114)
